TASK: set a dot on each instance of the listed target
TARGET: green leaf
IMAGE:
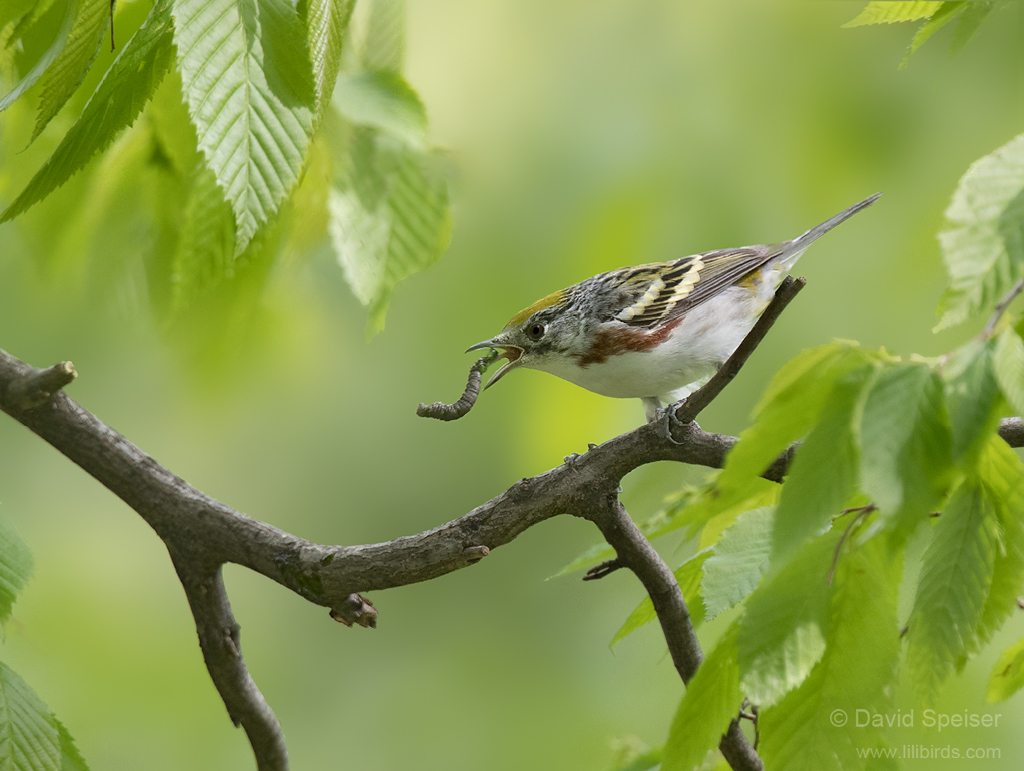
(983, 240)
(945, 14)
(114, 106)
(966, 28)
(631, 754)
(29, 736)
(738, 562)
(711, 702)
(688, 575)
(383, 99)
(906, 462)
(48, 57)
(1008, 674)
(15, 568)
(389, 219)
(13, 10)
(719, 507)
(1002, 475)
(326, 24)
(206, 245)
(70, 758)
(383, 46)
(956, 576)
(782, 634)
(789, 408)
(248, 84)
(1008, 361)
(823, 475)
(889, 12)
(75, 61)
(972, 398)
(857, 671)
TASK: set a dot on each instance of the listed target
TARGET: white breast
(694, 350)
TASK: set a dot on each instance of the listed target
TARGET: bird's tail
(791, 250)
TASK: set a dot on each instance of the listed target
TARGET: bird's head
(544, 329)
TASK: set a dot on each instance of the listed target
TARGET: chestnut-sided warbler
(656, 331)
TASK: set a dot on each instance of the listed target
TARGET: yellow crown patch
(555, 298)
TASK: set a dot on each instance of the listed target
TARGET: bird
(654, 332)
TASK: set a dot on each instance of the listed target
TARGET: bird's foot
(667, 420)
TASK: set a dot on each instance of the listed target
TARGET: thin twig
(862, 512)
(1000, 309)
(701, 398)
(203, 533)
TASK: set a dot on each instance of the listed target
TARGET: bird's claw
(572, 457)
(666, 417)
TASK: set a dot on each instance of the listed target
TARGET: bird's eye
(536, 332)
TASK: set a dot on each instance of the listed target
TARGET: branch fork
(202, 534)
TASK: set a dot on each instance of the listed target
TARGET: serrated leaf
(383, 46)
(15, 568)
(789, 408)
(248, 84)
(206, 245)
(782, 634)
(956, 576)
(1002, 475)
(724, 505)
(389, 219)
(857, 671)
(711, 702)
(688, 576)
(326, 24)
(1008, 363)
(906, 461)
(116, 103)
(967, 27)
(972, 398)
(48, 57)
(13, 10)
(383, 99)
(70, 758)
(983, 239)
(29, 737)
(1008, 674)
(738, 562)
(74, 62)
(823, 474)
(889, 12)
(945, 14)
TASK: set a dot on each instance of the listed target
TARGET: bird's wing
(665, 291)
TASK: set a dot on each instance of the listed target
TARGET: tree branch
(202, 534)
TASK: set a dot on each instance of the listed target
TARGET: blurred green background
(588, 135)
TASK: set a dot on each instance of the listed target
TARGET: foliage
(891, 448)
(31, 737)
(249, 123)
(969, 14)
(253, 131)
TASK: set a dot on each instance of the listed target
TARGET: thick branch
(202, 533)
(219, 640)
(635, 552)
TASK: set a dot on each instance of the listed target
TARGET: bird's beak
(513, 353)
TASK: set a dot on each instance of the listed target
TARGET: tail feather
(804, 240)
